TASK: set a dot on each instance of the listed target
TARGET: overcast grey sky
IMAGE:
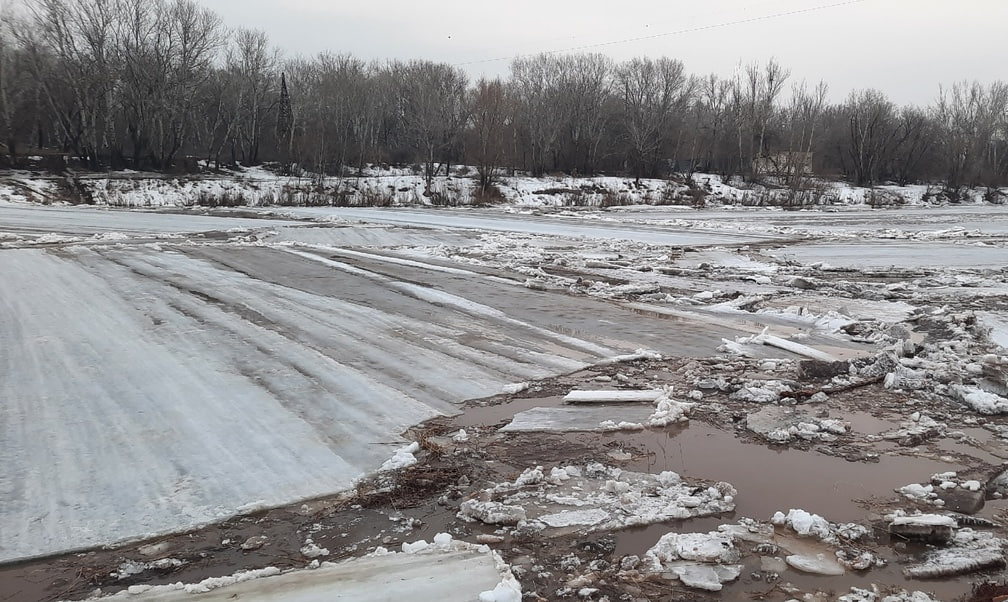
(905, 48)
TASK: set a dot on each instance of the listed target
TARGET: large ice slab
(146, 390)
(567, 419)
(447, 576)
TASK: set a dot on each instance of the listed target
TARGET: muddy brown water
(778, 479)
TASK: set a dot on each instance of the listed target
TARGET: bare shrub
(205, 198)
(608, 198)
(995, 196)
(374, 198)
(877, 198)
(492, 195)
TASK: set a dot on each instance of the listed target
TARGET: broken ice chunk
(932, 528)
(970, 551)
(493, 513)
(982, 401)
(699, 560)
(819, 564)
(649, 396)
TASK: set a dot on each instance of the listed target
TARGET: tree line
(163, 84)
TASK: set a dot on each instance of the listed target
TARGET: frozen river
(155, 387)
(158, 377)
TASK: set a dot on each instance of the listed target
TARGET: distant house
(784, 164)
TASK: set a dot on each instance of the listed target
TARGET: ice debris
(918, 429)
(740, 346)
(762, 391)
(128, 568)
(874, 595)
(508, 590)
(699, 560)
(402, 458)
(154, 549)
(984, 402)
(840, 535)
(312, 550)
(668, 410)
(970, 551)
(491, 513)
(254, 543)
(640, 354)
(946, 486)
(920, 493)
(778, 424)
(514, 388)
(595, 498)
(804, 523)
(905, 379)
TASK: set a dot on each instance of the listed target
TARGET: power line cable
(789, 13)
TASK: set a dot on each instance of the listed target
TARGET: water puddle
(868, 424)
(769, 479)
(777, 479)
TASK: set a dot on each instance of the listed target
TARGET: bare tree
(69, 48)
(771, 83)
(216, 116)
(754, 92)
(377, 106)
(142, 83)
(330, 91)
(195, 37)
(8, 89)
(917, 138)
(712, 106)
(432, 109)
(801, 116)
(651, 92)
(536, 86)
(140, 45)
(164, 53)
(872, 134)
(487, 135)
(972, 124)
(253, 65)
(585, 88)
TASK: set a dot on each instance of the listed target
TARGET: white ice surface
(881, 254)
(147, 391)
(85, 220)
(576, 227)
